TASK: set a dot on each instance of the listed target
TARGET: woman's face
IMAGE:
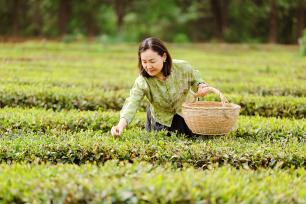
(152, 62)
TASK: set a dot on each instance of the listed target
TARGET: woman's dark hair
(159, 47)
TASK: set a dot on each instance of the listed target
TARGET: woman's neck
(161, 77)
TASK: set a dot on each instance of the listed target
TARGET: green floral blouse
(165, 96)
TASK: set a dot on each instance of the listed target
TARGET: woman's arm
(130, 106)
(198, 85)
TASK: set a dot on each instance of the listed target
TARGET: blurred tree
(301, 6)
(219, 10)
(120, 7)
(35, 16)
(64, 15)
(247, 21)
(146, 18)
(198, 18)
(273, 22)
(16, 16)
(92, 28)
(84, 17)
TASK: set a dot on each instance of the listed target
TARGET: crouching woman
(166, 84)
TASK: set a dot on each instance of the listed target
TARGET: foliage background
(273, 21)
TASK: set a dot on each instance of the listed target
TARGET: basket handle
(216, 91)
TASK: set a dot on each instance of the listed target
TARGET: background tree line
(273, 21)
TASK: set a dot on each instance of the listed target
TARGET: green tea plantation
(59, 101)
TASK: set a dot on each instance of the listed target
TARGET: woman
(166, 85)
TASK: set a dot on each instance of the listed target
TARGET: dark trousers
(178, 124)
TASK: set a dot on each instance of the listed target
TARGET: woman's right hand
(118, 129)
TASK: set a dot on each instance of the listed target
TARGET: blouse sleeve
(196, 80)
(132, 103)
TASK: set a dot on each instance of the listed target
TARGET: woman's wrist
(122, 122)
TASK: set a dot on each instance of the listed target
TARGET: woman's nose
(148, 66)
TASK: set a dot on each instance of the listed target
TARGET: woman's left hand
(203, 89)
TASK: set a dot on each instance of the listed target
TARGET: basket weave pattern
(211, 118)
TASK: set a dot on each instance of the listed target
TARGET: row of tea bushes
(41, 120)
(139, 145)
(117, 182)
(58, 99)
(295, 89)
(90, 66)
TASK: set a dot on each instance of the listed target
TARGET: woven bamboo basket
(211, 118)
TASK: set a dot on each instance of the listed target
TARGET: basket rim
(233, 106)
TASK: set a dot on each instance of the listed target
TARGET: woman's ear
(164, 57)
